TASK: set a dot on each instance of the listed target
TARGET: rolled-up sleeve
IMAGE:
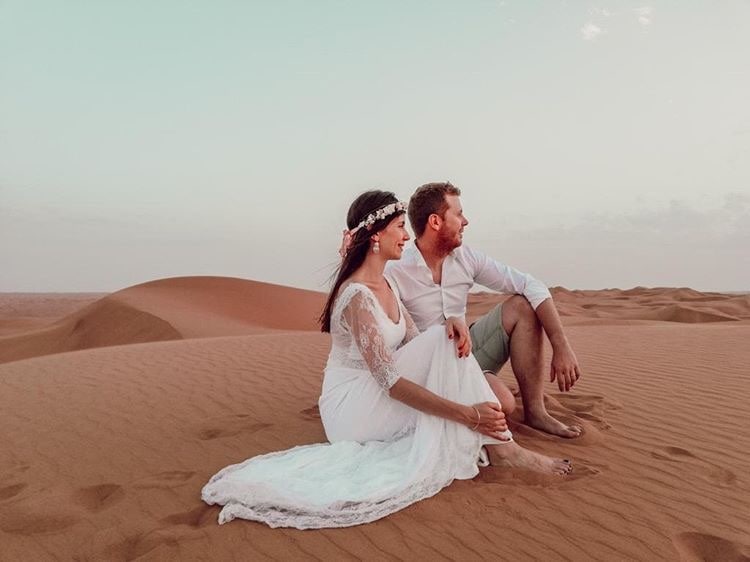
(500, 277)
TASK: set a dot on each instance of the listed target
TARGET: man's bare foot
(512, 455)
(548, 424)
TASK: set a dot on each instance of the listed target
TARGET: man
(434, 278)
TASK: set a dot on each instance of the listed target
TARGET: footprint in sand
(699, 547)
(312, 413)
(584, 410)
(712, 472)
(12, 491)
(160, 543)
(229, 426)
(200, 516)
(35, 523)
(99, 497)
(168, 479)
(12, 471)
(136, 539)
(589, 407)
(672, 454)
(40, 515)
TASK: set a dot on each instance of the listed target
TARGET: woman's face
(393, 237)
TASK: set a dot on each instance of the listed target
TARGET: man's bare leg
(526, 357)
(503, 393)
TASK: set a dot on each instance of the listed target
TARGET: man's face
(451, 231)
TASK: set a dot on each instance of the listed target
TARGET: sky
(597, 144)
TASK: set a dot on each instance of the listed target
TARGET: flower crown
(368, 221)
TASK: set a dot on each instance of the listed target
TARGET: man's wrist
(559, 341)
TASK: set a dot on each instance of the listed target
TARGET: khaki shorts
(489, 342)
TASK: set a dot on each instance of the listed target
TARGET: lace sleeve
(411, 328)
(358, 317)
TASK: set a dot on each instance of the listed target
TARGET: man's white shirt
(431, 304)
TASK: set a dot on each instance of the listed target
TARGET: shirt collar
(412, 256)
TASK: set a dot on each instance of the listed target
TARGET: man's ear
(434, 221)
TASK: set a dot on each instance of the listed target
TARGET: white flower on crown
(372, 218)
(380, 214)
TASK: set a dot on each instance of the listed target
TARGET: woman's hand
(488, 419)
(458, 330)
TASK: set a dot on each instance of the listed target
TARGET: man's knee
(520, 305)
(517, 308)
(503, 393)
(508, 403)
(509, 406)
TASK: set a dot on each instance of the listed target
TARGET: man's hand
(564, 367)
(459, 332)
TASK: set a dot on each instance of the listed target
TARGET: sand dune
(618, 306)
(217, 306)
(170, 309)
(666, 305)
(105, 450)
(26, 312)
(194, 307)
(104, 323)
(686, 314)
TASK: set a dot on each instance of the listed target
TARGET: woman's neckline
(377, 300)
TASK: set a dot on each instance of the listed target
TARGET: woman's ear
(375, 237)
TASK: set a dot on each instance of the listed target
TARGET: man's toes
(575, 430)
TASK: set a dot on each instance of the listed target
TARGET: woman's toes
(563, 466)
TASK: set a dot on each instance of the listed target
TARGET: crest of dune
(686, 314)
(173, 309)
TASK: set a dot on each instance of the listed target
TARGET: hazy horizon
(598, 146)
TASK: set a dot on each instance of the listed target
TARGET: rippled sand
(115, 410)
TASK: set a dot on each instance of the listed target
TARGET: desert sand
(116, 409)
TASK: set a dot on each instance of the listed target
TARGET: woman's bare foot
(512, 455)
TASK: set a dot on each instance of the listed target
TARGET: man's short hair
(427, 200)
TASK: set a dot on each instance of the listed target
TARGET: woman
(404, 415)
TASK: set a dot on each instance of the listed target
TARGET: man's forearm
(564, 366)
(550, 320)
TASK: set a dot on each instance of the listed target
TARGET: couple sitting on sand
(410, 398)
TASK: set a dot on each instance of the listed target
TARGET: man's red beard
(448, 243)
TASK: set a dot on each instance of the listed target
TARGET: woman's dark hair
(365, 204)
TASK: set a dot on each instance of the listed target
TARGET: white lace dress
(382, 455)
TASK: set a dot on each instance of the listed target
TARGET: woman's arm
(488, 417)
(359, 319)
